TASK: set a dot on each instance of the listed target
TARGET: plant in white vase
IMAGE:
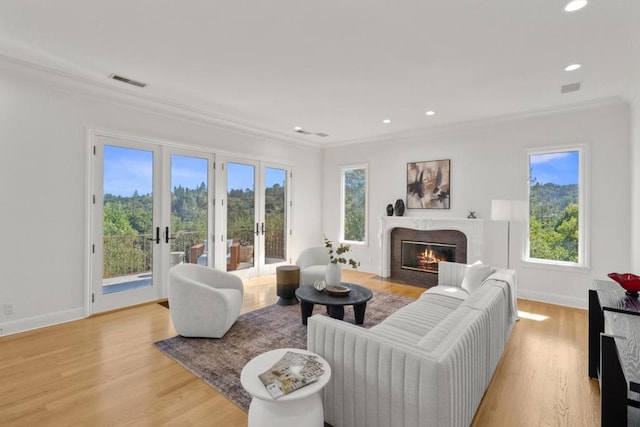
(333, 274)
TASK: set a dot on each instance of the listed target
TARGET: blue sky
(127, 170)
(559, 168)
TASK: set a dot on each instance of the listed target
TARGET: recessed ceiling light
(574, 5)
(297, 128)
(386, 121)
(572, 67)
(430, 113)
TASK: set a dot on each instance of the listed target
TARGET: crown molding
(102, 91)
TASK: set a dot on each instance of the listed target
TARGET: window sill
(555, 265)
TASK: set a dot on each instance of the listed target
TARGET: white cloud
(536, 159)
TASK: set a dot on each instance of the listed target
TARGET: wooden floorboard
(105, 371)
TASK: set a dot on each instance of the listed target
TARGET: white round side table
(302, 407)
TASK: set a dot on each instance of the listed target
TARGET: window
(353, 213)
(556, 207)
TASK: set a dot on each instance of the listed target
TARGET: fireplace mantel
(472, 228)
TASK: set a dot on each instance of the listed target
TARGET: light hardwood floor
(105, 371)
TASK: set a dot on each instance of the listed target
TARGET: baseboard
(554, 298)
(36, 322)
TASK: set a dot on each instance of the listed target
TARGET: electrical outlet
(8, 309)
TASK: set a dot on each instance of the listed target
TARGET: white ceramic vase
(333, 274)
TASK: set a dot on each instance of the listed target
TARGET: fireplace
(469, 243)
(415, 254)
(424, 256)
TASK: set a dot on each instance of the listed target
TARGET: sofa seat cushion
(395, 334)
(450, 300)
(413, 321)
(449, 291)
(449, 329)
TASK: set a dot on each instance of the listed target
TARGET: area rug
(218, 362)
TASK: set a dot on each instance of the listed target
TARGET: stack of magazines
(291, 372)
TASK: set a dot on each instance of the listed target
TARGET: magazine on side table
(291, 372)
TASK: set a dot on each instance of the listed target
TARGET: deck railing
(125, 254)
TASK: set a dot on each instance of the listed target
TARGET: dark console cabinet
(614, 352)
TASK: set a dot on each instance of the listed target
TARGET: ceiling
(337, 67)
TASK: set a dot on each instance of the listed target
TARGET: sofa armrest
(374, 381)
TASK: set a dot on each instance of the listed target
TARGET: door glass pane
(189, 210)
(241, 222)
(127, 219)
(275, 215)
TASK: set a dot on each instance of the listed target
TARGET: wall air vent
(127, 80)
(571, 87)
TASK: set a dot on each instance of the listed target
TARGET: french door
(150, 210)
(257, 216)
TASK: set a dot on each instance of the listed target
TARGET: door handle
(166, 235)
(157, 238)
(263, 228)
(257, 230)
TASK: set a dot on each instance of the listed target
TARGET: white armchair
(203, 302)
(313, 264)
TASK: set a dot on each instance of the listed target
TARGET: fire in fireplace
(424, 256)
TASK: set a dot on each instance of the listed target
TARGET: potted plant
(333, 274)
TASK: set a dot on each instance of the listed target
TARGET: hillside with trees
(553, 222)
(128, 224)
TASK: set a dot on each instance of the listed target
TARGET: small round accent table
(302, 407)
(287, 281)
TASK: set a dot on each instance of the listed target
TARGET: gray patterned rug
(218, 362)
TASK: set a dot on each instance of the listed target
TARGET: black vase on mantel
(399, 207)
(389, 209)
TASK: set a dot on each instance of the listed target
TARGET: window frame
(343, 170)
(583, 209)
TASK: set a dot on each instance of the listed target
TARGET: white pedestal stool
(302, 407)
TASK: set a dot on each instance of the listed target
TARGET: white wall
(488, 161)
(43, 151)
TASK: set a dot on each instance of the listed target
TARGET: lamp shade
(501, 210)
(508, 210)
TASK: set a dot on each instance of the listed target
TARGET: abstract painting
(428, 184)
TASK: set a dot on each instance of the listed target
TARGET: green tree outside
(355, 204)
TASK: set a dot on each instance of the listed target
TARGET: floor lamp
(507, 210)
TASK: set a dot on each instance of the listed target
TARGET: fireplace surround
(415, 253)
(466, 234)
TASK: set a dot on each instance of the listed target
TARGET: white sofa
(428, 364)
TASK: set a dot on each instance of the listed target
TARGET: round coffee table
(302, 407)
(358, 298)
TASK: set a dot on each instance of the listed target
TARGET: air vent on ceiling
(571, 87)
(127, 80)
(306, 132)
